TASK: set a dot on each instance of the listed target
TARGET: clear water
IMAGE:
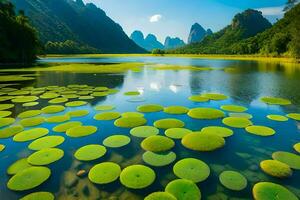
(243, 152)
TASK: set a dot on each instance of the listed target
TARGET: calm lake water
(244, 85)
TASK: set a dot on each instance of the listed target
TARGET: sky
(175, 17)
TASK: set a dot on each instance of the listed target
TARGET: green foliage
(68, 47)
(158, 52)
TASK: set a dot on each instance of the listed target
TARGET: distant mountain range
(198, 33)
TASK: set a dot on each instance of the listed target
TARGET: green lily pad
(53, 109)
(203, 142)
(30, 104)
(296, 147)
(268, 190)
(242, 115)
(46, 142)
(215, 96)
(58, 100)
(106, 116)
(104, 173)
(275, 101)
(290, 159)
(100, 94)
(279, 118)
(150, 108)
(237, 122)
(49, 95)
(6, 121)
(116, 141)
(159, 159)
(78, 113)
(90, 152)
(101, 88)
(176, 110)
(2, 147)
(217, 130)
(85, 97)
(66, 126)
(104, 107)
(132, 114)
(6, 106)
(18, 166)
(191, 169)
(144, 131)
(45, 156)
(58, 119)
(177, 133)
(81, 131)
(10, 131)
(137, 176)
(205, 113)
(295, 116)
(198, 98)
(234, 108)
(233, 180)
(5, 113)
(130, 122)
(29, 113)
(160, 196)
(28, 122)
(183, 189)
(30, 134)
(132, 93)
(76, 103)
(169, 123)
(260, 130)
(29, 178)
(276, 168)
(157, 143)
(25, 99)
(39, 195)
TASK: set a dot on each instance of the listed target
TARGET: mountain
(173, 43)
(197, 33)
(149, 43)
(85, 24)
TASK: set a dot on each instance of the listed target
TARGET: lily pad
(191, 169)
(290, 159)
(183, 189)
(217, 130)
(5, 113)
(157, 143)
(76, 103)
(78, 113)
(159, 159)
(39, 195)
(66, 126)
(132, 114)
(10, 131)
(6, 106)
(234, 108)
(279, 118)
(150, 108)
(30, 134)
(296, 147)
(137, 176)
(30, 104)
(106, 116)
(58, 100)
(25, 99)
(177, 133)
(276, 168)
(169, 123)
(49, 95)
(233, 180)
(104, 107)
(6, 121)
(104, 173)
(242, 115)
(29, 113)
(237, 122)
(260, 130)
(2, 147)
(268, 190)
(202, 142)
(160, 196)
(276, 101)
(58, 119)
(132, 93)
(198, 98)
(176, 110)
(46, 142)
(81, 131)
(295, 116)
(116, 141)
(215, 96)
(206, 113)
(144, 131)
(18, 166)
(90, 152)
(35, 121)
(45, 156)
(130, 122)
(53, 109)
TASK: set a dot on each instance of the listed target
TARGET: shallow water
(243, 152)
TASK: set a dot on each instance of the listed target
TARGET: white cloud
(155, 18)
(271, 11)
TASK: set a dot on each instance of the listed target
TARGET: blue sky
(175, 17)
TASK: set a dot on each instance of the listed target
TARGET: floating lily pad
(295, 116)
(116, 141)
(233, 180)
(144, 131)
(99, 94)
(49, 95)
(237, 122)
(29, 113)
(191, 169)
(76, 103)
(276, 168)
(90, 152)
(2, 147)
(176, 110)
(53, 109)
(132, 93)
(6, 106)
(217, 130)
(242, 115)
(45, 156)
(10, 131)
(104, 173)
(29, 178)
(46, 142)
(290, 159)
(169, 123)
(268, 191)
(234, 108)
(279, 118)
(296, 147)
(39, 195)
(275, 101)
(132, 114)
(86, 97)
(215, 96)
(58, 100)
(30, 104)
(25, 99)
(177, 133)
(160, 196)
(66, 126)
(28, 122)
(5, 113)
(30, 134)
(78, 113)
(6, 121)
(137, 176)
(130, 122)
(159, 159)
(157, 143)
(58, 119)
(183, 189)
(18, 166)
(205, 113)
(260, 130)
(81, 131)
(203, 142)
(150, 108)
(104, 107)
(107, 116)
(198, 98)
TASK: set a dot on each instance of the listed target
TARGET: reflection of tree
(196, 82)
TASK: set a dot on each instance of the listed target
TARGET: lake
(243, 82)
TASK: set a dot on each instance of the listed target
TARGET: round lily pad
(132, 114)
(107, 116)
(132, 93)
(53, 109)
(58, 100)
(29, 113)
(169, 123)
(58, 119)
(78, 113)
(137, 176)
(45, 156)
(176, 110)
(159, 159)
(130, 122)
(237, 122)
(183, 189)
(5, 113)
(104, 107)
(18, 166)
(10, 131)
(242, 115)
(35, 121)
(177, 133)
(86, 97)
(217, 130)
(144, 131)
(46, 142)
(75, 103)
(260, 130)
(49, 95)
(104, 173)
(233, 180)
(65, 126)
(2, 147)
(295, 116)
(6, 106)
(6, 121)
(150, 108)
(215, 96)
(268, 190)
(24, 99)
(290, 159)
(29, 178)
(279, 118)
(30, 104)
(191, 169)
(234, 108)
(275, 101)
(205, 113)
(276, 168)
(198, 98)
(116, 141)
(296, 147)
(160, 196)
(39, 195)
(203, 142)
(90, 152)
(157, 143)
(30, 134)
(81, 131)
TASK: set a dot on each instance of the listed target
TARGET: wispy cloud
(271, 11)
(155, 18)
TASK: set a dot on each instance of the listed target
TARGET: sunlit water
(243, 152)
